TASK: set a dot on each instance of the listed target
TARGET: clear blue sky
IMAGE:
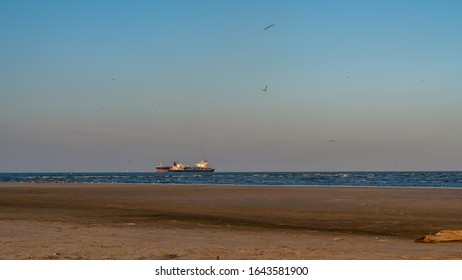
(381, 78)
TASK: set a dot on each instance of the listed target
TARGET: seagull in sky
(265, 88)
(331, 141)
(113, 80)
(99, 110)
(269, 26)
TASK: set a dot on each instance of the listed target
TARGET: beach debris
(338, 239)
(130, 224)
(382, 240)
(442, 236)
(269, 26)
(167, 256)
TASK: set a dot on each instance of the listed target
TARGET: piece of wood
(442, 236)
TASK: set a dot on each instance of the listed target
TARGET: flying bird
(331, 141)
(269, 26)
(265, 88)
(113, 80)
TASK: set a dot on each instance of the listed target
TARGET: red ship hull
(193, 170)
(162, 168)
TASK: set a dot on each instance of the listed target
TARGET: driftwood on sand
(442, 236)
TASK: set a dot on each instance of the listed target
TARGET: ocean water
(451, 179)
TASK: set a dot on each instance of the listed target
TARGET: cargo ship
(176, 166)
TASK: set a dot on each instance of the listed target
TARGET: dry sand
(119, 221)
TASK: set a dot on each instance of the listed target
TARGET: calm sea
(374, 179)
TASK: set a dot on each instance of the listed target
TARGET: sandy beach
(122, 221)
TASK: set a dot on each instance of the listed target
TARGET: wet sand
(122, 221)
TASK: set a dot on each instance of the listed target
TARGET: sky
(127, 85)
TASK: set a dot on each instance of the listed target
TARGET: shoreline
(140, 221)
(224, 185)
